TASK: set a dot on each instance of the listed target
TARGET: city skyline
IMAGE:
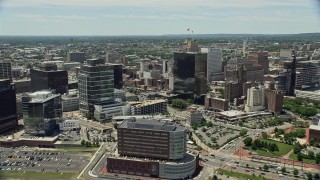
(140, 17)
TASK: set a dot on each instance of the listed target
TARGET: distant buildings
(76, 57)
(159, 147)
(260, 58)
(96, 85)
(5, 69)
(8, 109)
(149, 107)
(190, 45)
(48, 77)
(41, 110)
(190, 74)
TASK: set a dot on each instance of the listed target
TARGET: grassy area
(241, 175)
(283, 149)
(35, 175)
(308, 161)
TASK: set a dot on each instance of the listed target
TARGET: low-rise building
(70, 101)
(314, 132)
(194, 116)
(69, 125)
(149, 107)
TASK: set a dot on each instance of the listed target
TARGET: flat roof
(315, 127)
(232, 113)
(151, 124)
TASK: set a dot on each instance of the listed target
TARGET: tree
(213, 139)
(247, 141)
(299, 156)
(83, 142)
(243, 132)
(209, 124)
(283, 170)
(316, 176)
(300, 133)
(295, 172)
(309, 175)
(317, 158)
(264, 135)
(265, 167)
(215, 177)
(310, 154)
(247, 165)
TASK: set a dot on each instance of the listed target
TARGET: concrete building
(70, 101)
(106, 111)
(149, 107)
(96, 85)
(190, 45)
(274, 100)
(260, 58)
(152, 148)
(76, 57)
(48, 77)
(69, 124)
(255, 99)
(5, 69)
(216, 104)
(314, 132)
(214, 64)
(194, 116)
(8, 107)
(315, 95)
(41, 110)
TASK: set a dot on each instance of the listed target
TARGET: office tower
(190, 74)
(216, 104)
(117, 71)
(214, 64)
(307, 73)
(8, 107)
(96, 85)
(293, 75)
(255, 99)
(190, 45)
(41, 111)
(152, 148)
(76, 57)
(260, 58)
(5, 69)
(48, 77)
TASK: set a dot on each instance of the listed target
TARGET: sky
(158, 17)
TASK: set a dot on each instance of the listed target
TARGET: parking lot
(217, 135)
(41, 161)
(94, 135)
(72, 136)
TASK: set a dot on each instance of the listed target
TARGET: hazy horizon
(157, 18)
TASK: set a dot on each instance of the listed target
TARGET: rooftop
(232, 113)
(315, 127)
(151, 124)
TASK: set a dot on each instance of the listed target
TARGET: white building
(69, 124)
(70, 101)
(108, 111)
(255, 99)
(214, 64)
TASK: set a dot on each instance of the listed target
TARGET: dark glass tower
(8, 109)
(292, 75)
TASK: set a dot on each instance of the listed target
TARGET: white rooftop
(232, 113)
(315, 127)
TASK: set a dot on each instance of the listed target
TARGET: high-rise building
(8, 108)
(117, 71)
(190, 74)
(49, 78)
(255, 99)
(5, 69)
(76, 57)
(191, 45)
(96, 85)
(274, 99)
(260, 58)
(41, 111)
(214, 64)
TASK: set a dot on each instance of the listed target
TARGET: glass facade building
(8, 109)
